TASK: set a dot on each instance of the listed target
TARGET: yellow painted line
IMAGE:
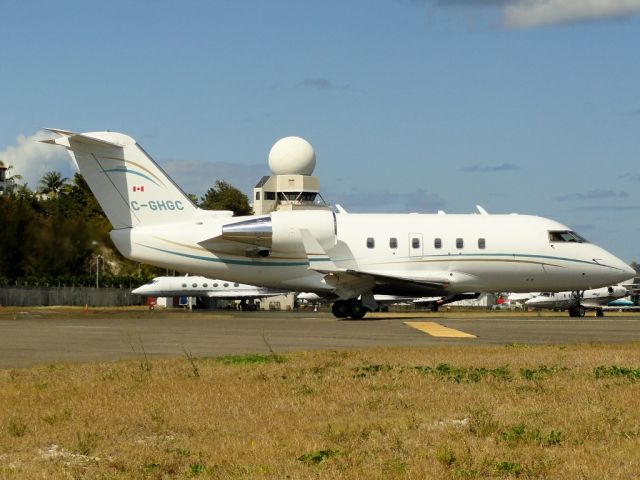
(436, 330)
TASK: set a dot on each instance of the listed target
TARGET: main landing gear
(576, 311)
(352, 308)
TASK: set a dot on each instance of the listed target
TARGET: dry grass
(465, 412)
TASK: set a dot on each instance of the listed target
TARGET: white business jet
(352, 256)
(198, 286)
(577, 303)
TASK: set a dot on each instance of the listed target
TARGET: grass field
(446, 412)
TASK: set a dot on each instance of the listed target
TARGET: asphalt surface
(27, 339)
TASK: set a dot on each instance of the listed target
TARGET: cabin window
(205, 285)
(194, 285)
(437, 243)
(236, 284)
(371, 243)
(184, 285)
(226, 284)
(215, 285)
(459, 243)
(269, 195)
(393, 242)
(559, 236)
(481, 243)
(415, 243)
(257, 195)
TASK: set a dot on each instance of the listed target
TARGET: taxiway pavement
(29, 340)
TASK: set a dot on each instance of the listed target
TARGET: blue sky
(525, 106)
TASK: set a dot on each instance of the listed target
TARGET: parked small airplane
(578, 302)
(352, 256)
(197, 286)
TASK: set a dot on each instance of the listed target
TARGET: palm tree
(52, 183)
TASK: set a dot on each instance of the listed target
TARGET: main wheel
(599, 313)
(434, 307)
(340, 309)
(581, 311)
(357, 310)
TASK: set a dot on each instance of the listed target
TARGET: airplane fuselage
(589, 298)
(472, 252)
(198, 286)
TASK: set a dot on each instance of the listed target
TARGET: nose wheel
(351, 308)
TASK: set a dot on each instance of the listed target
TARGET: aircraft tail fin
(130, 187)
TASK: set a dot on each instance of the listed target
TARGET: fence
(80, 296)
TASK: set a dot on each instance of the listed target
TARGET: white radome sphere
(292, 156)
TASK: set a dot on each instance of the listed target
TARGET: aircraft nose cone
(624, 270)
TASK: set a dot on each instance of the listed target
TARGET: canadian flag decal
(138, 189)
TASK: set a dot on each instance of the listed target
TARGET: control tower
(4, 184)
(291, 185)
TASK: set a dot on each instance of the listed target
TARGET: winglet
(318, 259)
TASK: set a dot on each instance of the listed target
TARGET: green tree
(52, 183)
(223, 196)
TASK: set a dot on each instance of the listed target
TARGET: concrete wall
(79, 296)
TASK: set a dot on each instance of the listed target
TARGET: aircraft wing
(349, 283)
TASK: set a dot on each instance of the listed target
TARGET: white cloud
(535, 13)
(32, 159)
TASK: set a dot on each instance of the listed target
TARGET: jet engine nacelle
(287, 227)
(281, 231)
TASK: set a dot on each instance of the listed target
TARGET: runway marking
(436, 330)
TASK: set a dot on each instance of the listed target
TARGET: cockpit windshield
(563, 236)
